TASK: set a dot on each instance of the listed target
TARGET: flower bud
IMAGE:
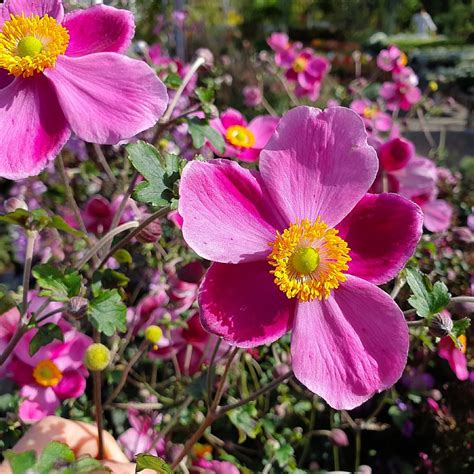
(338, 438)
(153, 334)
(151, 233)
(441, 325)
(12, 204)
(97, 357)
(77, 307)
(395, 154)
(207, 55)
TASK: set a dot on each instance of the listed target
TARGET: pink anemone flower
(403, 93)
(391, 59)
(61, 73)
(142, 436)
(244, 140)
(300, 246)
(55, 373)
(374, 119)
(456, 357)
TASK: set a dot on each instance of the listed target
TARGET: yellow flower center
(299, 64)
(403, 59)
(463, 342)
(29, 45)
(309, 260)
(47, 374)
(370, 111)
(240, 136)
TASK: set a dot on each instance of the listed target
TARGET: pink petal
(318, 163)
(382, 232)
(455, 357)
(45, 396)
(53, 8)
(99, 29)
(232, 117)
(107, 97)
(32, 127)
(263, 128)
(438, 214)
(31, 412)
(226, 214)
(72, 385)
(351, 346)
(242, 304)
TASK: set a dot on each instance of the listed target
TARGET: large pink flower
(281, 264)
(244, 140)
(61, 73)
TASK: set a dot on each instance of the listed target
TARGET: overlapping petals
(226, 213)
(243, 305)
(382, 232)
(33, 127)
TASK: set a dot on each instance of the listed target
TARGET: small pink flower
(69, 72)
(244, 140)
(142, 436)
(391, 59)
(403, 93)
(307, 70)
(55, 373)
(456, 357)
(373, 117)
(252, 96)
(280, 240)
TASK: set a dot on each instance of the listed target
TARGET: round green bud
(97, 357)
(153, 334)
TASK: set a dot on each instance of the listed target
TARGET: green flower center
(305, 260)
(29, 46)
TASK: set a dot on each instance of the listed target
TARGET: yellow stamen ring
(29, 45)
(47, 374)
(240, 136)
(309, 259)
(299, 64)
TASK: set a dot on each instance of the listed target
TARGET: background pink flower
(244, 140)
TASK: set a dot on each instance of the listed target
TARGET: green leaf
(107, 313)
(45, 334)
(54, 455)
(427, 299)
(200, 130)
(57, 222)
(86, 464)
(20, 462)
(283, 454)
(147, 461)
(460, 326)
(173, 81)
(123, 256)
(148, 162)
(57, 285)
(243, 418)
(6, 300)
(204, 95)
(18, 217)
